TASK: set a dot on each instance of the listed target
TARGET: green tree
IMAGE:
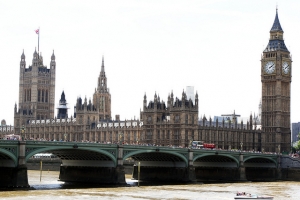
(296, 145)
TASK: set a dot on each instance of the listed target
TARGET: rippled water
(50, 188)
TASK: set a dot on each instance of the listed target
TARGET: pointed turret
(102, 80)
(145, 101)
(23, 62)
(62, 112)
(53, 62)
(23, 55)
(276, 25)
(53, 56)
(35, 54)
(102, 66)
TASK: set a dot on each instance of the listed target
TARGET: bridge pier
(242, 169)
(279, 169)
(190, 175)
(12, 176)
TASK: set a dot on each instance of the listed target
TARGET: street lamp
(241, 146)
(65, 137)
(279, 148)
(120, 137)
(22, 132)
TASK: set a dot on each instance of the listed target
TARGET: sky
(149, 47)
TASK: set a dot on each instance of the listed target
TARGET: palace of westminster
(172, 123)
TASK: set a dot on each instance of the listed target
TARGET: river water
(51, 189)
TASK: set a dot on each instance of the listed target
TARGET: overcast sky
(149, 46)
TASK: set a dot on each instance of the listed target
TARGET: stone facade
(36, 90)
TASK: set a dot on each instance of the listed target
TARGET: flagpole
(39, 41)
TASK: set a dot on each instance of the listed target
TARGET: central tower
(101, 97)
(276, 74)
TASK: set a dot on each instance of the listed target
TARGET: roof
(276, 45)
(276, 25)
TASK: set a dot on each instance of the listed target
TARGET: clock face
(285, 68)
(270, 67)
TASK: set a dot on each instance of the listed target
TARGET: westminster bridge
(103, 163)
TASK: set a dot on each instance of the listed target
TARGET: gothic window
(193, 119)
(110, 136)
(43, 95)
(186, 119)
(168, 134)
(193, 135)
(176, 134)
(158, 135)
(24, 95)
(39, 95)
(149, 119)
(186, 135)
(28, 95)
(149, 135)
(46, 96)
(177, 118)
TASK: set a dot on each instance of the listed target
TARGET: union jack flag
(37, 31)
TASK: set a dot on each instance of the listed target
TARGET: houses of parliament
(172, 123)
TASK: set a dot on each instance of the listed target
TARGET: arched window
(39, 95)
(46, 96)
(43, 93)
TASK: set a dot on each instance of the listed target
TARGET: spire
(53, 56)
(63, 97)
(102, 66)
(276, 25)
(23, 55)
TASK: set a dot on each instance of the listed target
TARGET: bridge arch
(264, 161)
(66, 148)
(7, 155)
(158, 153)
(217, 155)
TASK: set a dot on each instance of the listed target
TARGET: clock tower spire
(276, 65)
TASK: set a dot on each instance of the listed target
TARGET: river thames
(49, 189)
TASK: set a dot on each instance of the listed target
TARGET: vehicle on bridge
(202, 145)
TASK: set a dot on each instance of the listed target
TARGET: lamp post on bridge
(279, 149)
(120, 137)
(241, 146)
(22, 132)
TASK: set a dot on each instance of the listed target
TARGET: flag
(37, 31)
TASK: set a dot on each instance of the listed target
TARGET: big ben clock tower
(276, 77)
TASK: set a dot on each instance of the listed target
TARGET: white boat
(244, 195)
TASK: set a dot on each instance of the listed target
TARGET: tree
(296, 145)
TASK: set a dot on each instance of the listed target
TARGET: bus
(202, 145)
